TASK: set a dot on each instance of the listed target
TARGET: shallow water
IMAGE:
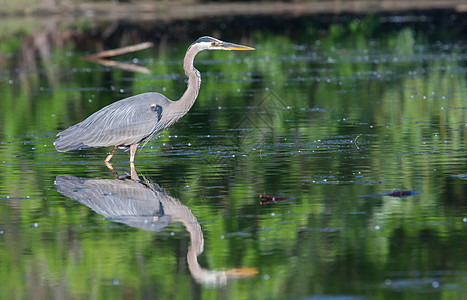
(354, 134)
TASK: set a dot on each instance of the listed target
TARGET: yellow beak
(231, 46)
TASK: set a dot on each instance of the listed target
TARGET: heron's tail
(67, 140)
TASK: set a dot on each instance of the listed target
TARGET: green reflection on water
(323, 118)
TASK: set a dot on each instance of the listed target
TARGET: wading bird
(135, 120)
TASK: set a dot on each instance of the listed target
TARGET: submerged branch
(119, 65)
(100, 57)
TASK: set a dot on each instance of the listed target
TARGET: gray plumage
(139, 118)
(135, 120)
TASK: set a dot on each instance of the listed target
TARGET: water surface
(357, 124)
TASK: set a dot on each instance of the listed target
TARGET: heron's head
(210, 43)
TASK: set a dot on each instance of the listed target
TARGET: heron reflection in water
(135, 120)
(144, 204)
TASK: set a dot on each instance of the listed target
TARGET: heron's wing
(124, 122)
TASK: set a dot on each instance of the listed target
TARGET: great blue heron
(134, 120)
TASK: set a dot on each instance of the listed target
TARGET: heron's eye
(213, 43)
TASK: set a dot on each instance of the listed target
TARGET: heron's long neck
(194, 82)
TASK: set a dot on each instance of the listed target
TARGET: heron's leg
(133, 152)
(133, 174)
(111, 168)
(109, 157)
